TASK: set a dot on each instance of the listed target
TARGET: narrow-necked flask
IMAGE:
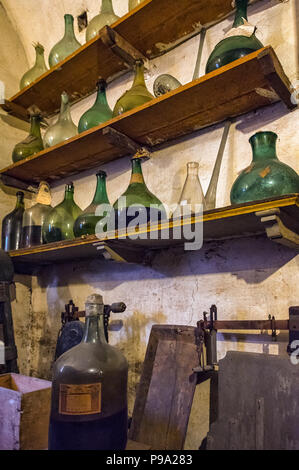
(192, 199)
(33, 142)
(12, 225)
(37, 70)
(67, 45)
(60, 222)
(89, 391)
(86, 223)
(105, 17)
(137, 95)
(64, 128)
(100, 112)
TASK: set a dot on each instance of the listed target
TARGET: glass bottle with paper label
(89, 391)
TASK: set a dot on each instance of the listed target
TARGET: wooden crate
(24, 412)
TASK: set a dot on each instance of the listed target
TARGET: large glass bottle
(134, 3)
(67, 45)
(137, 95)
(89, 391)
(12, 225)
(266, 177)
(192, 198)
(105, 17)
(137, 202)
(33, 142)
(64, 128)
(86, 223)
(239, 41)
(164, 84)
(60, 222)
(34, 217)
(37, 70)
(99, 112)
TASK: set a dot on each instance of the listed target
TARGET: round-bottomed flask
(64, 128)
(67, 45)
(164, 84)
(89, 391)
(33, 142)
(100, 112)
(37, 70)
(266, 176)
(105, 17)
(192, 199)
(12, 225)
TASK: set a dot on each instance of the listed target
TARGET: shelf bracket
(123, 141)
(122, 254)
(18, 184)
(121, 48)
(277, 230)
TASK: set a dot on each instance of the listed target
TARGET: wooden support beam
(123, 141)
(16, 110)
(275, 225)
(18, 184)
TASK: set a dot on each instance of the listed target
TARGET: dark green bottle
(60, 221)
(99, 112)
(235, 46)
(12, 225)
(266, 177)
(86, 223)
(33, 142)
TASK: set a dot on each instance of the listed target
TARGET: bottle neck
(69, 194)
(137, 175)
(101, 96)
(101, 196)
(35, 126)
(20, 201)
(69, 27)
(263, 146)
(241, 13)
(107, 7)
(94, 331)
(139, 75)
(65, 112)
(39, 57)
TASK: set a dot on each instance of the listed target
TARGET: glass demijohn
(137, 95)
(240, 41)
(134, 3)
(37, 70)
(86, 223)
(165, 83)
(33, 142)
(12, 225)
(34, 217)
(266, 177)
(99, 112)
(67, 45)
(89, 391)
(192, 195)
(64, 128)
(105, 17)
(60, 222)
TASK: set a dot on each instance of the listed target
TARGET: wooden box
(24, 412)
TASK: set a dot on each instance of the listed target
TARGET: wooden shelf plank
(242, 86)
(218, 224)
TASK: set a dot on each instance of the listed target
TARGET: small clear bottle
(192, 197)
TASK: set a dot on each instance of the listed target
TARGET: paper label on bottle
(246, 29)
(80, 399)
(43, 195)
(136, 178)
(265, 172)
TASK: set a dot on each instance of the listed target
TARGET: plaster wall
(246, 279)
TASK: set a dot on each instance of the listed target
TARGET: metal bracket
(276, 230)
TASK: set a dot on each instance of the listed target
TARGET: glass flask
(134, 3)
(266, 177)
(137, 95)
(137, 201)
(192, 195)
(60, 221)
(64, 128)
(67, 45)
(86, 223)
(89, 391)
(165, 83)
(105, 17)
(37, 70)
(33, 142)
(240, 41)
(99, 112)
(12, 225)
(34, 217)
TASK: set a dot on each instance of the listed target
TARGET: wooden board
(165, 393)
(245, 85)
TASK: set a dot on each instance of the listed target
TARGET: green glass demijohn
(105, 17)
(37, 70)
(33, 142)
(12, 225)
(99, 112)
(86, 223)
(240, 41)
(137, 95)
(64, 128)
(67, 45)
(60, 222)
(266, 177)
(137, 201)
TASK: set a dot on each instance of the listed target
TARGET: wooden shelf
(237, 221)
(245, 85)
(153, 28)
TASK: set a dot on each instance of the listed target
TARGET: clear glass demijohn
(105, 17)
(64, 128)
